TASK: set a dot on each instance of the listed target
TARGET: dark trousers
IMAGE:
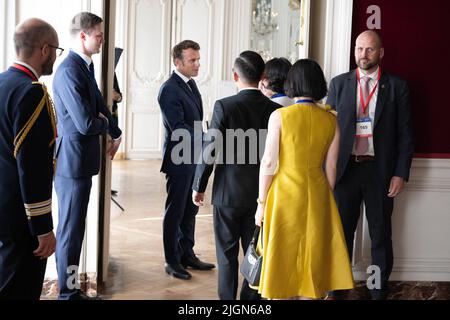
(179, 219)
(73, 199)
(21, 273)
(232, 225)
(361, 183)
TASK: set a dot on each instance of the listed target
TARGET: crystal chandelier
(264, 19)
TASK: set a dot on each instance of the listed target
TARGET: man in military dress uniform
(27, 137)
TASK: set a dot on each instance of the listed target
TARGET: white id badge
(364, 128)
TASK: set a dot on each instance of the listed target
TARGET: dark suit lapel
(78, 60)
(82, 64)
(349, 113)
(382, 98)
(189, 92)
(198, 99)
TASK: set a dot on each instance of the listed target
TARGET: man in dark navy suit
(27, 139)
(181, 107)
(82, 118)
(376, 149)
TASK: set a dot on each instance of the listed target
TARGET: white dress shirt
(182, 76)
(85, 58)
(249, 88)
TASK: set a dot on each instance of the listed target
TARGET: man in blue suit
(82, 118)
(27, 139)
(181, 107)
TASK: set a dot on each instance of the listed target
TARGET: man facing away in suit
(376, 149)
(182, 108)
(27, 140)
(82, 117)
(235, 188)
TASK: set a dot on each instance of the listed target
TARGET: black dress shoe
(196, 263)
(177, 271)
(379, 294)
(337, 295)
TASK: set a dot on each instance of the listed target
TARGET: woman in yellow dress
(304, 249)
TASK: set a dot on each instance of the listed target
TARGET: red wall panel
(416, 38)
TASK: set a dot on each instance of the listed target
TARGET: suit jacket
(78, 102)
(180, 110)
(393, 137)
(236, 185)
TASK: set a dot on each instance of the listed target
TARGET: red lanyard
(364, 105)
(26, 70)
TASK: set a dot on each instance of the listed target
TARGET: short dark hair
(306, 79)
(249, 66)
(84, 21)
(276, 72)
(177, 51)
(27, 38)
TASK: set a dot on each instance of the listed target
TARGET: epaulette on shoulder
(40, 84)
(327, 108)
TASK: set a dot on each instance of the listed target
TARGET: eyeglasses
(59, 51)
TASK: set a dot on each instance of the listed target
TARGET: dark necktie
(97, 91)
(92, 70)
(362, 143)
(194, 89)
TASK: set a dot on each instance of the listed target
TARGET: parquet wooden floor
(136, 246)
(136, 250)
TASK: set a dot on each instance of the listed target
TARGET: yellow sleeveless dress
(304, 251)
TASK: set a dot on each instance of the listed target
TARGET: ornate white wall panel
(148, 29)
(148, 23)
(232, 39)
(237, 17)
(195, 22)
(140, 122)
(420, 224)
